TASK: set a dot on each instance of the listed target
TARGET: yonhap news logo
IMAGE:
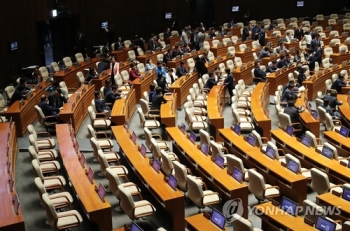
(231, 207)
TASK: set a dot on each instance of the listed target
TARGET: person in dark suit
(177, 51)
(293, 112)
(20, 91)
(200, 67)
(108, 87)
(181, 70)
(100, 104)
(311, 60)
(258, 72)
(301, 77)
(333, 101)
(334, 113)
(230, 24)
(272, 67)
(246, 32)
(46, 108)
(57, 100)
(138, 43)
(255, 32)
(211, 82)
(119, 43)
(318, 54)
(281, 63)
(91, 75)
(167, 56)
(157, 99)
(167, 33)
(151, 43)
(299, 33)
(338, 84)
(112, 95)
(106, 49)
(261, 35)
(229, 82)
(316, 41)
(264, 53)
(102, 66)
(80, 43)
(212, 33)
(151, 92)
(288, 94)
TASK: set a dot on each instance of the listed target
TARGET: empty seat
(259, 188)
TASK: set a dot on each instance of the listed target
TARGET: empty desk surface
(124, 108)
(338, 140)
(172, 201)
(342, 205)
(141, 86)
(273, 219)
(216, 178)
(9, 221)
(292, 185)
(96, 210)
(81, 100)
(120, 55)
(215, 104)
(345, 108)
(168, 110)
(200, 223)
(310, 158)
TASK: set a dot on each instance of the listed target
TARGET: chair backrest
(284, 120)
(55, 67)
(206, 45)
(80, 77)
(44, 73)
(67, 61)
(231, 50)
(95, 147)
(332, 21)
(91, 131)
(148, 136)
(256, 45)
(144, 106)
(242, 46)
(293, 158)
(160, 57)
(131, 54)
(167, 164)
(140, 51)
(230, 65)
(234, 161)
(211, 56)
(328, 84)
(215, 42)
(326, 63)
(334, 150)
(319, 17)
(31, 130)
(51, 213)
(346, 26)
(334, 77)
(9, 90)
(155, 149)
(174, 33)
(238, 62)
(127, 43)
(141, 67)
(256, 183)
(118, 80)
(37, 169)
(319, 181)
(333, 16)
(312, 210)
(64, 89)
(39, 114)
(125, 75)
(79, 57)
(258, 141)
(241, 224)
(181, 175)
(204, 137)
(141, 116)
(322, 115)
(102, 159)
(126, 202)
(225, 41)
(92, 114)
(190, 63)
(205, 77)
(113, 182)
(195, 191)
(234, 38)
(215, 150)
(312, 137)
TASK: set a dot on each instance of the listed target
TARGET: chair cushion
(48, 183)
(162, 145)
(336, 189)
(105, 143)
(199, 125)
(210, 199)
(48, 151)
(152, 124)
(45, 144)
(101, 123)
(67, 220)
(47, 167)
(63, 195)
(143, 210)
(118, 170)
(246, 126)
(271, 191)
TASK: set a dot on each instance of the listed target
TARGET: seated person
(287, 86)
(161, 81)
(57, 100)
(167, 56)
(107, 88)
(264, 53)
(292, 111)
(258, 72)
(91, 75)
(102, 66)
(288, 37)
(150, 65)
(301, 76)
(335, 114)
(281, 49)
(333, 101)
(177, 51)
(212, 33)
(181, 70)
(171, 75)
(152, 92)
(46, 108)
(282, 62)
(272, 67)
(133, 73)
(186, 49)
(157, 99)
(100, 104)
(288, 94)
(338, 84)
(211, 82)
(20, 91)
(112, 95)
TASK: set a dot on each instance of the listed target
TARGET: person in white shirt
(184, 37)
(307, 38)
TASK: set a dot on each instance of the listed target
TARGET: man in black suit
(211, 82)
(181, 70)
(272, 67)
(138, 43)
(57, 100)
(167, 56)
(318, 54)
(150, 44)
(119, 43)
(20, 91)
(157, 99)
(281, 63)
(200, 67)
(229, 82)
(102, 66)
(167, 33)
(258, 72)
(288, 94)
(80, 43)
(299, 33)
(338, 84)
(106, 49)
(113, 95)
(100, 104)
(311, 60)
(246, 32)
(316, 41)
(333, 101)
(46, 108)
(293, 112)
(177, 51)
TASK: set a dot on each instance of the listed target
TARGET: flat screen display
(235, 8)
(344, 131)
(300, 3)
(289, 206)
(289, 130)
(314, 114)
(101, 192)
(143, 150)
(251, 140)
(91, 175)
(82, 159)
(204, 148)
(168, 15)
(270, 152)
(293, 166)
(133, 137)
(218, 218)
(327, 152)
(346, 194)
(172, 181)
(192, 137)
(306, 141)
(14, 46)
(104, 25)
(183, 128)
(323, 224)
(156, 165)
(237, 174)
(237, 129)
(219, 161)
(135, 227)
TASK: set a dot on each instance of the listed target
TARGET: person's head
(43, 98)
(113, 59)
(106, 60)
(256, 63)
(152, 87)
(176, 47)
(317, 36)
(290, 103)
(182, 63)
(274, 62)
(158, 90)
(333, 93)
(217, 70)
(211, 74)
(266, 49)
(23, 81)
(201, 24)
(341, 77)
(291, 86)
(119, 39)
(170, 71)
(282, 57)
(149, 61)
(228, 71)
(326, 102)
(132, 66)
(288, 33)
(114, 89)
(168, 29)
(196, 59)
(108, 83)
(97, 95)
(58, 92)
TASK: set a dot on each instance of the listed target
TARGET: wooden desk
(182, 86)
(200, 223)
(70, 77)
(247, 42)
(266, 60)
(309, 158)
(280, 79)
(329, 200)
(306, 117)
(219, 51)
(246, 56)
(141, 86)
(215, 178)
(293, 186)
(81, 100)
(120, 55)
(344, 109)
(259, 100)
(338, 58)
(172, 201)
(215, 105)
(176, 63)
(9, 221)
(143, 58)
(245, 74)
(26, 114)
(235, 31)
(338, 140)
(172, 40)
(168, 111)
(275, 219)
(124, 108)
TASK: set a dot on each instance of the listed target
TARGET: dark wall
(19, 18)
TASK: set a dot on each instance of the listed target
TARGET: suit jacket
(288, 95)
(105, 51)
(47, 109)
(106, 90)
(301, 78)
(176, 53)
(337, 85)
(280, 63)
(318, 55)
(293, 114)
(150, 45)
(333, 102)
(100, 105)
(167, 34)
(271, 68)
(259, 73)
(298, 33)
(210, 83)
(311, 62)
(111, 97)
(118, 44)
(102, 66)
(201, 68)
(229, 82)
(167, 57)
(157, 100)
(261, 37)
(115, 70)
(181, 71)
(313, 44)
(245, 33)
(57, 102)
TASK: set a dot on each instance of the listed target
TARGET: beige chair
(238, 62)
(48, 167)
(198, 100)
(118, 170)
(303, 171)
(125, 76)
(331, 124)
(234, 161)
(127, 43)
(244, 122)
(201, 94)
(122, 86)
(160, 57)
(315, 142)
(211, 56)
(215, 43)
(141, 68)
(195, 111)
(320, 182)
(55, 67)
(59, 200)
(334, 150)
(43, 155)
(277, 151)
(259, 188)
(190, 64)
(260, 142)
(149, 123)
(234, 39)
(114, 182)
(40, 144)
(3, 108)
(50, 182)
(140, 52)
(110, 155)
(44, 73)
(206, 45)
(204, 137)
(132, 55)
(331, 22)
(284, 120)
(218, 149)
(242, 47)
(322, 114)
(231, 50)
(199, 197)
(319, 17)
(181, 174)
(101, 137)
(346, 27)
(174, 33)
(66, 92)
(134, 209)
(81, 78)
(160, 143)
(98, 122)
(167, 163)
(326, 63)
(242, 224)
(67, 61)
(60, 220)
(9, 90)
(193, 124)
(46, 121)
(148, 113)
(79, 57)
(334, 77)
(156, 151)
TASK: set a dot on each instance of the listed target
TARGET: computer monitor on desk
(135, 227)
(327, 152)
(237, 174)
(324, 224)
(270, 152)
(289, 206)
(293, 166)
(204, 148)
(219, 161)
(236, 129)
(251, 140)
(306, 141)
(289, 130)
(344, 131)
(218, 219)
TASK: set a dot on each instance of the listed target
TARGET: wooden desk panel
(215, 178)
(275, 219)
(219, 51)
(329, 200)
(293, 186)
(9, 221)
(124, 108)
(266, 60)
(339, 58)
(183, 89)
(172, 40)
(309, 158)
(172, 201)
(82, 99)
(215, 105)
(281, 79)
(120, 55)
(143, 58)
(176, 63)
(246, 56)
(26, 114)
(141, 86)
(96, 210)
(200, 223)
(234, 30)
(338, 140)
(259, 100)
(70, 77)
(245, 74)
(168, 111)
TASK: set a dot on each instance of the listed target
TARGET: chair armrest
(66, 215)
(281, 150)
(225, 150)
(101, 133)
(306, 170)
(118, 167)
(48, 117)
(334, 186)
(44, 134)
(210, 194)
(53, 196)
(337, 122)
(264, 139)
(104, 119)
(188, 171)
(145, 203)
(154, 111)
(271, 187)
(157, 135)
(49, 162)
(211, 138)
(54, 178)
